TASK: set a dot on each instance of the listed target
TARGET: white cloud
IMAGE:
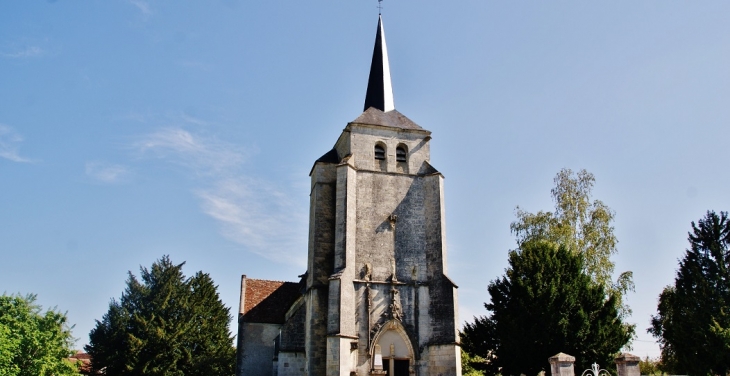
(107, 173)
(251, 212)
(10, 143)
(258, 216)
(30, 51)
(143, 7)
(203, 156)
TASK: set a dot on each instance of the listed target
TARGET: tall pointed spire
(380, 88)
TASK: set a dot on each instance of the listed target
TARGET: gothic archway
(396, 349)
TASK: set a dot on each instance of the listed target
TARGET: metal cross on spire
(380, 7)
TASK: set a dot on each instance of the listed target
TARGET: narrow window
(379, 152)
(400, 154)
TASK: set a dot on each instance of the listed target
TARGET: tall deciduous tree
(585, 227)
(543, 305)
(33, 343)
(165, 324)
(693, 323)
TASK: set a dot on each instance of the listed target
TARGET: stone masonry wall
(321, 225)
(378, 227)
(292, 332)
(316, 331)
(363, 139)
(291, 364)
(320, 265)
(379, 242)
(342, 293)
(443, 360)
(258, 348)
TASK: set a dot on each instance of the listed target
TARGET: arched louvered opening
(381, 162)
(401, 154)
(380, 152)
(401, 159)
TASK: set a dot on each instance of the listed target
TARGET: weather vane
(380, 7)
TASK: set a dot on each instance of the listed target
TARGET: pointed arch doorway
(396, 349)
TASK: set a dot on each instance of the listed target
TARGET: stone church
(376, 298)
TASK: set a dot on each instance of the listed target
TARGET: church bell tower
(376, 296)
(375, 299)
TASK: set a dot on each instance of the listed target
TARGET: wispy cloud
(259, 216)
(203, 156)
(143, 7)
(10, 143)
(27, 52)
(107, 173)
(252, 212)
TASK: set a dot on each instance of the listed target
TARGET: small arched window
(400, 154)
(379, 152)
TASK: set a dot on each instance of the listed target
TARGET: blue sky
(132, 129)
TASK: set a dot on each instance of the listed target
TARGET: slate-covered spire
(380, 89)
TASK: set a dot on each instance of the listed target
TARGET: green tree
(478, 343)
(33, 343)
(648, 366)
(692, 323)
(166, 325)
(545, 304)
(472, 365)
(585, 227)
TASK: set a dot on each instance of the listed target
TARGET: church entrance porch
(392, 351)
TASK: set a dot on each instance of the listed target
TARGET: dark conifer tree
(165, 324)
(692, 323)
(543, 305)
(479, 341)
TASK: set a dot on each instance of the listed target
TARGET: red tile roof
(268, 301)
(85, 368)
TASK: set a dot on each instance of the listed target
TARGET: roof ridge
(268, 280)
